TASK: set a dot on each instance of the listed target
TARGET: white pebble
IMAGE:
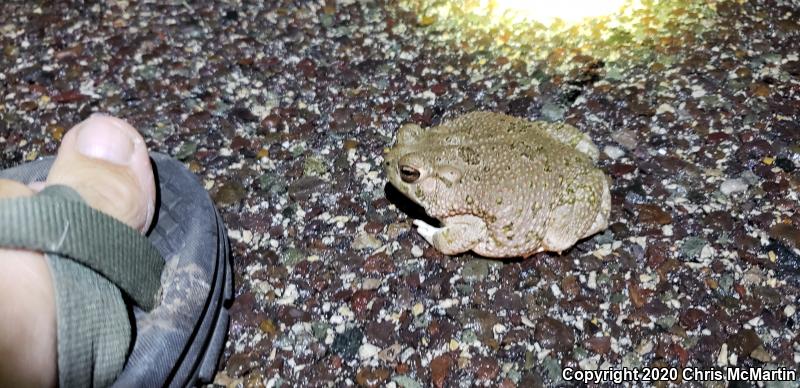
(556, 291)
(592, 282)
(417, 309)
(290, 295)
(367, 351)
(722, 357)
(731, 186)
(614, 152)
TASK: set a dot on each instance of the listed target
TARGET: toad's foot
(426, 230)
(459, 234)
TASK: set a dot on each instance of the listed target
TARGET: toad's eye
(409, 174)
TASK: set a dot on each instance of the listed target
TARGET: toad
(501, 186)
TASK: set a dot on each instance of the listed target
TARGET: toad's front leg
(458, 234)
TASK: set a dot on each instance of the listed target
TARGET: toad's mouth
(405, 204)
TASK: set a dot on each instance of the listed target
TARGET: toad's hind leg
(576, 214)
(457, 235)
(601, 220)
(572, 137)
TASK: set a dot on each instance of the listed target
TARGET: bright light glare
(546, 11)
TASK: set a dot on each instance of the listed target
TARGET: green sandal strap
(57, 221)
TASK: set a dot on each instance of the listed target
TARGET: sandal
(180, 319)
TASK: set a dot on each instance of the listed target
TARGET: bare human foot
(105, 160)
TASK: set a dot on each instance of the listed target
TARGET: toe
(106, 161)
(425, 230)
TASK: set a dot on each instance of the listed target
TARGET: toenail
(101, 137)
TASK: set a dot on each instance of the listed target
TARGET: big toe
(105, 160)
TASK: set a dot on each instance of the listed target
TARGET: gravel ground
(284, 111)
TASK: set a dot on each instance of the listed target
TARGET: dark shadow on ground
(407, 206)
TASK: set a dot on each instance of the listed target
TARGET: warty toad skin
(500, 185)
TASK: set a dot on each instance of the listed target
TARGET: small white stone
(367, 351)
(416, 251)
(346, 312)
(407, 354)
(417, 309)
(789, 310)
(592, 282)
(391, 353)
(722, 358)
(445, 304)
(613, 152)
(365, 240)
(734, 185)
(698, 91)
(370, 284)
(663, 108)
(527, 322)
(290, 295)
(556, 291)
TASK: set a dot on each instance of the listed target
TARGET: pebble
(361, 300)
(379, 264)
(229, 193)
(787, 234)
(761, 354)
(733, 185)
(692, 246)
(722, 356)
(390, 354)
(626, 138)
(365, 240)
(406, 382)
(476, 269)
(302, 188)
(653, 215)
(785, 164)
(313, 166)
(440, 368)
(613, 152)
(292, 256)
(486, 368)
(367, 351)
(743, 342)
(599, 345)
(347, 343)
(372, 377)
(553, 334)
